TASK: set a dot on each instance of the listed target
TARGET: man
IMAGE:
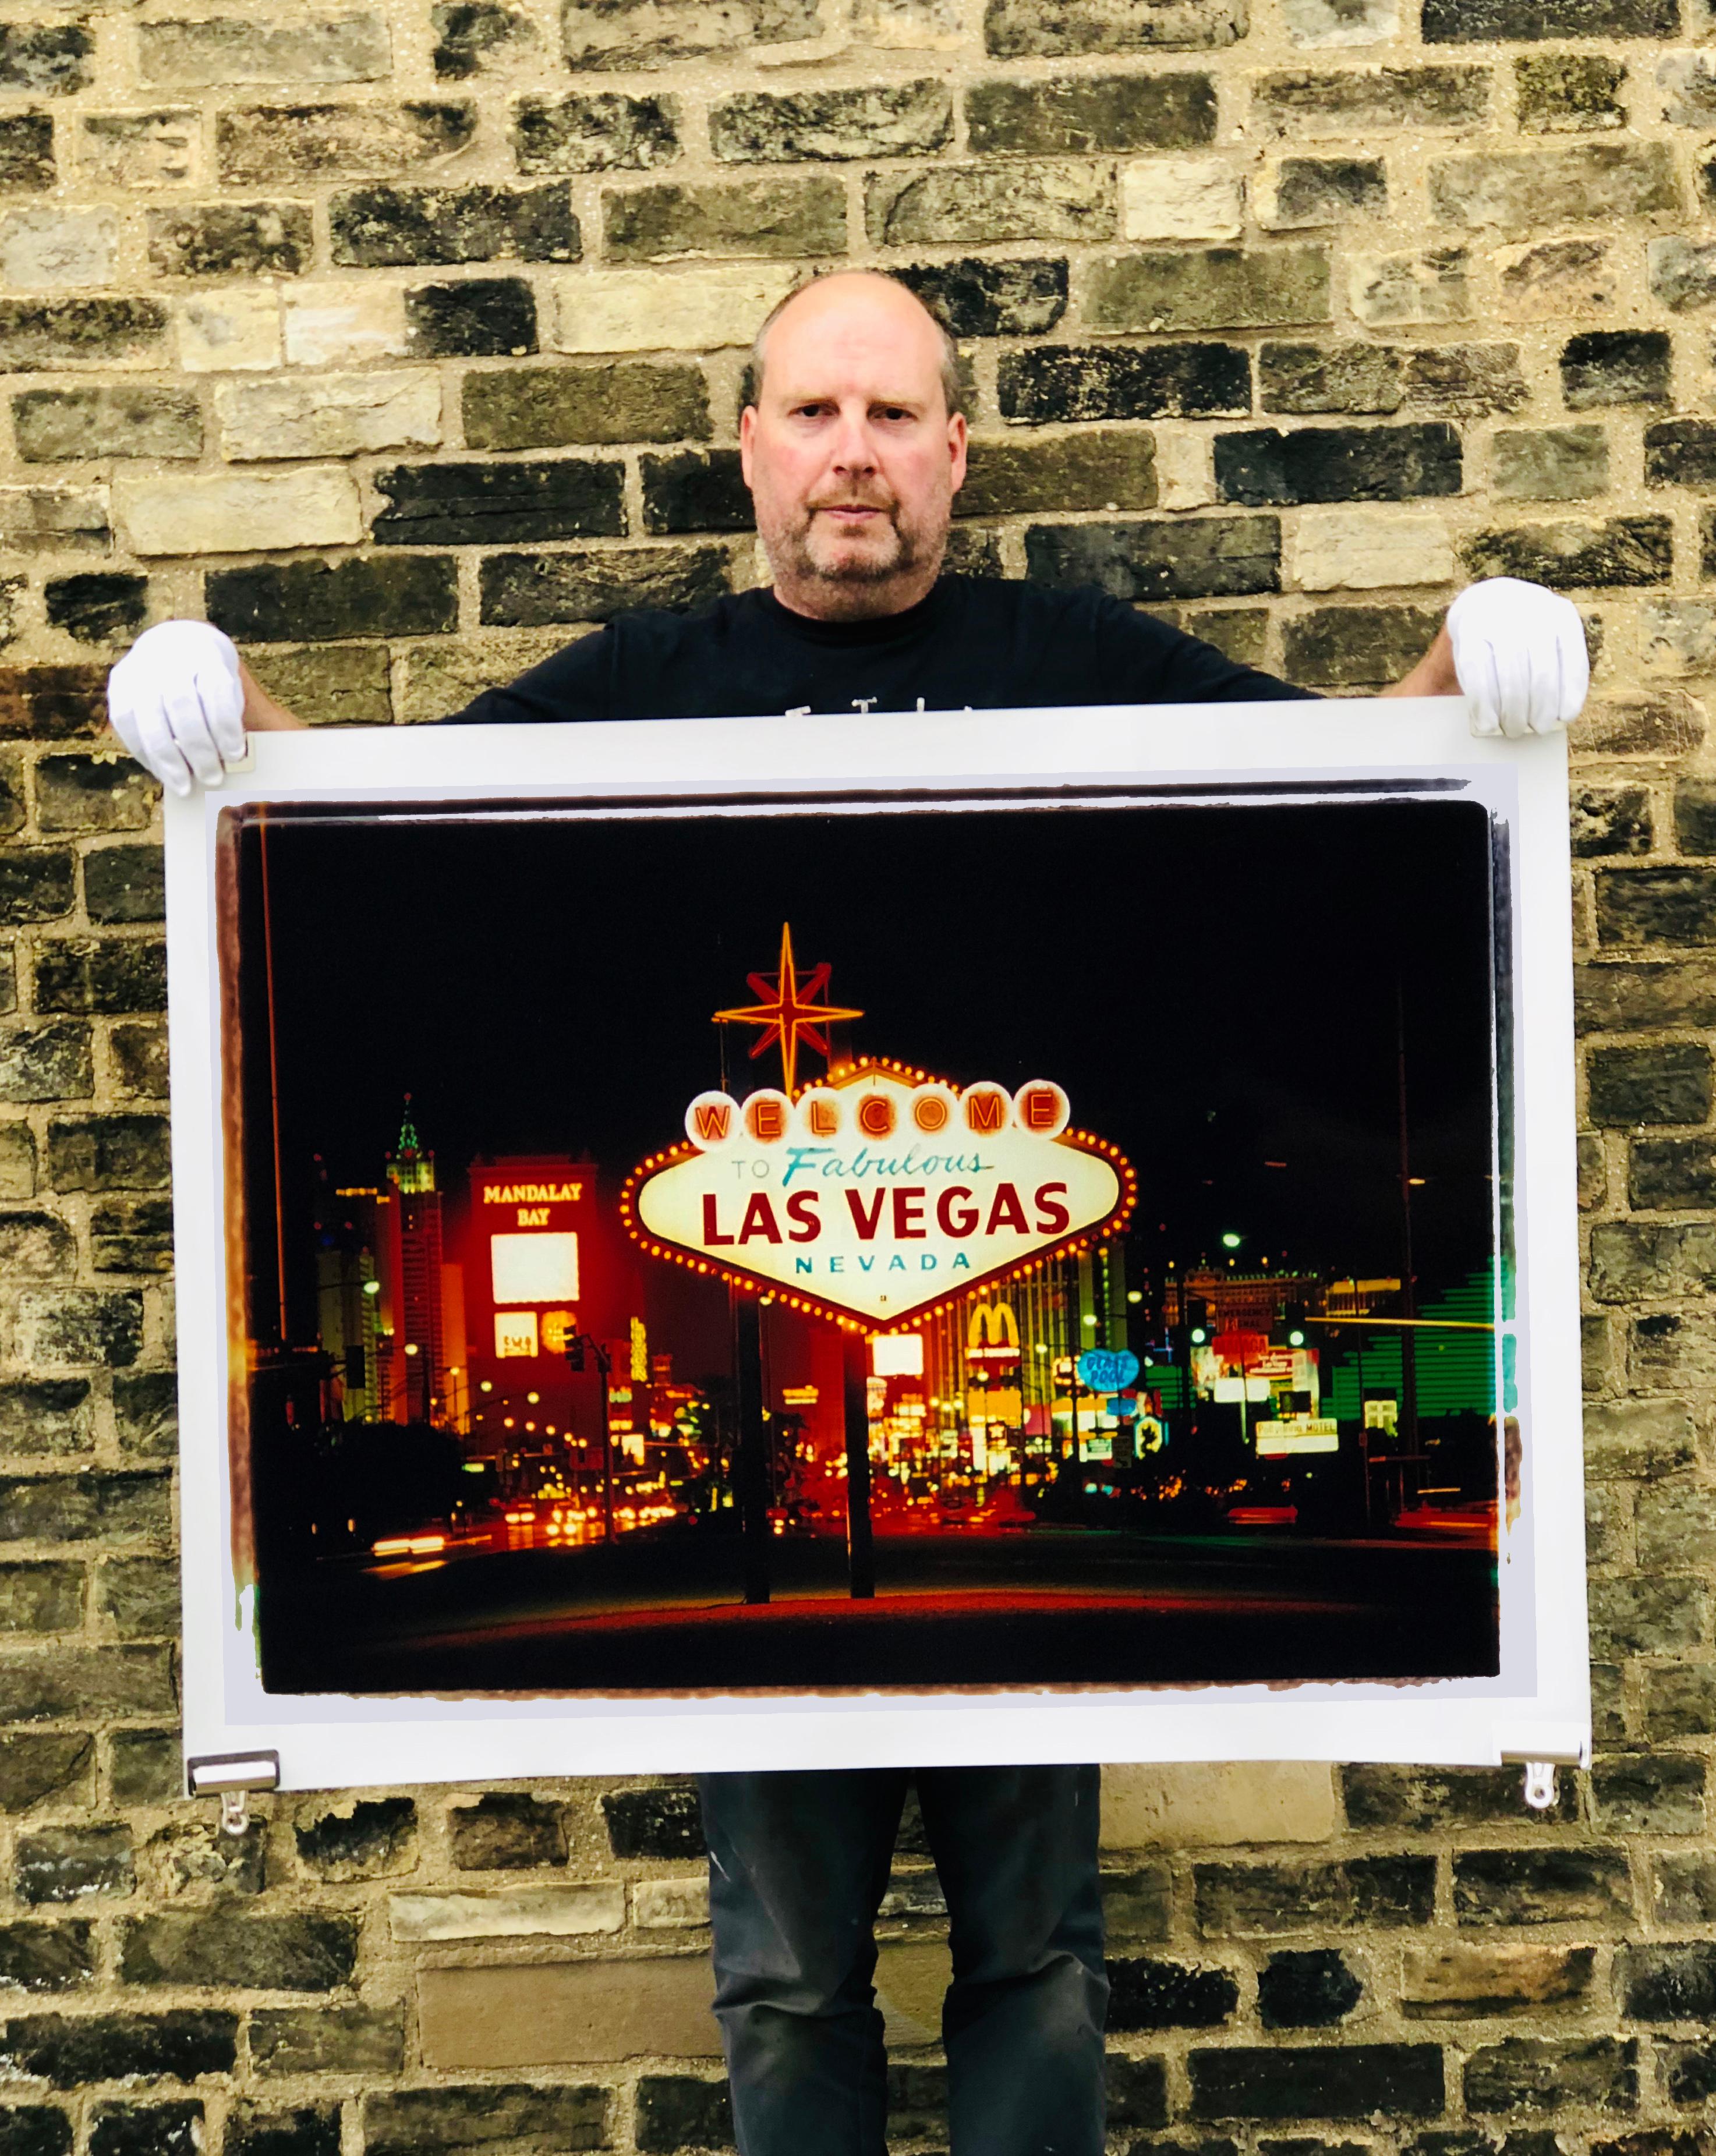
(853, 446)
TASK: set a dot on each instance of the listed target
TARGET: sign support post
(861, 1550)
(753, 1461)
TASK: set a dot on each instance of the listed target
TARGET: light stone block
(1428, 286)
(653, 310)
(229, 333)
(341, 324)
(1216, 1806)
(441, 678)
(509, 1912)
(1453, 1983)
(1367, 550)
(661, 1905)
(1329, 23)
(562, 2014)
(141, 149)
(233, 513)
(332, 415)
(1679, 636)
(925, 26)
(1185, 477)
(44, 520)
(1181, 198)
(44, 249)
(911, 1980)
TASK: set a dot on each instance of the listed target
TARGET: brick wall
(406, 346)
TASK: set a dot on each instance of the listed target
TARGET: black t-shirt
(975, 642)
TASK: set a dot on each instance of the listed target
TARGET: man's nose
(854, 448)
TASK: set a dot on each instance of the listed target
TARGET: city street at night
(1120, 1608)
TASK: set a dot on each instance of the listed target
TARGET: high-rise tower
(414, 1234)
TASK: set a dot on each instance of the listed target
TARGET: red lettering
(875, 1115)
(865, 1223)
(950, 1222)
(908, 1214)
(801, 1207)
(929, 1111)
(985, 1112)
(824, 1118)
(712, 1233)
(759, 1220)
(768, 1119)
(1040, 1108)
(1007, 1212)
(1052, 1216)
(714, 1119)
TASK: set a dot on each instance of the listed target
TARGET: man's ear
(747, 436)
(958, 434)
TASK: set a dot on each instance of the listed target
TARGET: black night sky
(1216, 987)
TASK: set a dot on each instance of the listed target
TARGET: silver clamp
(232, 1776)
(1540, 1788)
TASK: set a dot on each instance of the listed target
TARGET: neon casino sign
(879, 1195)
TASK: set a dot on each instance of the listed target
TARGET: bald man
(853, 443)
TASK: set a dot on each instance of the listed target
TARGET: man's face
(850, 455)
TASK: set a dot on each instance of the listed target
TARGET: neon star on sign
(879, 1195)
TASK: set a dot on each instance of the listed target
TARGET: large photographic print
(1055, 1241)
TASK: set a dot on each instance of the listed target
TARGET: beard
(852, 572)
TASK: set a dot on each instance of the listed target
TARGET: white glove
(178, 703)
(1519, 651)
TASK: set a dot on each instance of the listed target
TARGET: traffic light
(1292, 1318)
(575, 1351)
(1200, 1320)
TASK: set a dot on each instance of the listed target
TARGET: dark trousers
(798, 1866)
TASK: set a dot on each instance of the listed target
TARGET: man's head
(852, 445)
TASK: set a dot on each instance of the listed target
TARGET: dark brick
(1050, 383)
(202, 1860)
(530, 2121)
(1668, 1084)
(36, 333)
(148, 1767)
(45, 1062)
(677, 2110)
(1706, 544)
(131, 1235)
(310, 2130)
(103, 607)
(456, 505)
(507, 1832)
(11, 795)
(1241, 1901)
(53, 59)
(695, 490)
(91, 793)
(1541, 2073)
(782, 218)
(1420, 1799)
(1613, 819)
(1544, 1886)
(1324, 190)
(1356, 647)
(1560, 92)
(917, 2100)
(1212, 288)
(1021, 29)
(37, 883)
(1165, 1995)
(50, 703)
(153, 2129)
(1695, 816)
(34, 2130)
(36, 1246)
(71, 1508)
(371, 1836)
(1138, 2093)
(106, 1681)
(385, 228)
(120, 419)
(104, 975)
(41, 1597)
(1655, 906)
(1620, 551)
(44, 1414)
(1337, 463)
(1137, 1905)
(1667, 1983)
(468, 31)
(109, 1153)
(328, 2040)
(621, 400)
(66, 1863)
(272, 144)
(599, 133)
(1681, 453)
(125, 883)
(1353, 101)
(477, 318)
(1203, 557)
(529, 591)
(38, 1765)
(240, 1953)
(141, 1596)
(1602, 368)
(1649, 1793)
(26, 155)
(146, 1411)
(1309, 1990)
(45, 1958)
(68, 2052)
(979, 298)
(1348, 2081)
(890, 120)
(1346, 377)
(290, 602)
(1689, 2072)
(1100, 469)
(1081, 114)
(1466, 381)
(139, 1059)
(659, 1822)
(231, 239)
(1487, 22)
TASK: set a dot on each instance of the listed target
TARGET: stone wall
(406, 345)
